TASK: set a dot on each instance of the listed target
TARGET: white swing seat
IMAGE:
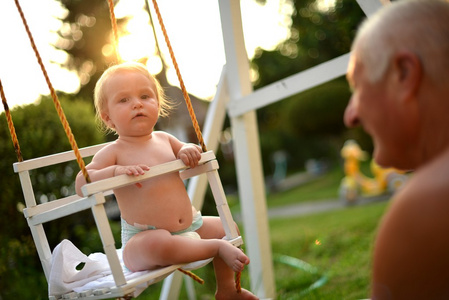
(94, 199)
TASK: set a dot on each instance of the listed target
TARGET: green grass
(338, 243)
(323, 187)
(320, 188)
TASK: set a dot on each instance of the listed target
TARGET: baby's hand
(190, 154)
(131, 170)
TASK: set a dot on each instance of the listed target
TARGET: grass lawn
(338, 244)
(324, 187)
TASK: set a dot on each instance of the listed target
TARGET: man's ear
(408, 69)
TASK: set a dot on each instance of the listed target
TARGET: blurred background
(300, 137)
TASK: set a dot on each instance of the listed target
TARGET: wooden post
(247, 154)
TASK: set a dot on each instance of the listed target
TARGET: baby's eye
(144, 97)
(123, 100)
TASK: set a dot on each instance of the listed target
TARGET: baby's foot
(233, 256)
(233, 295)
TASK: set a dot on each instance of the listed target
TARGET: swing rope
(114, 28)
(11, 127)
(181, 82)
(56, 101)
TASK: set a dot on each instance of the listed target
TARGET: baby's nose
(137, 103)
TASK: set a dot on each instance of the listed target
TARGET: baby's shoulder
(162, 136)
(109, 150)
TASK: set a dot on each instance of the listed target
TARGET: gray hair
(419, 26)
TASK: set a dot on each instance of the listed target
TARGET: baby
(158, 220)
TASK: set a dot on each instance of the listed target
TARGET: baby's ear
(107, 120)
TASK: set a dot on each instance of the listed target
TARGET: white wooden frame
(94, 198)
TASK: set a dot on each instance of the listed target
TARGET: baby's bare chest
(147, 156)
(153, 152)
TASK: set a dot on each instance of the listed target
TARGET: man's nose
(350, 117)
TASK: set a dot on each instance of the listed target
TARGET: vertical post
(247, 154)
(104, 229)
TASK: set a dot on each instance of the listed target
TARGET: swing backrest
(94, 199)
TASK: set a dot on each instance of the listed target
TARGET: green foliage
(40, 133)
(307, 126)
(310, 124)
(315, 37)
(318, 111)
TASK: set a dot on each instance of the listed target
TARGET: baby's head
(100, 99)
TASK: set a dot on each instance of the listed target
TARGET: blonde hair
(100, 97)
(419, 26)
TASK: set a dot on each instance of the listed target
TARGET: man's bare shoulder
(411, 254)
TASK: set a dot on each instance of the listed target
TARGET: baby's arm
(104, 166)
(189, 153)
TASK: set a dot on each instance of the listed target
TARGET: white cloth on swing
(95, 274)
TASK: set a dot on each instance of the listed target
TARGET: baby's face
(132, 106)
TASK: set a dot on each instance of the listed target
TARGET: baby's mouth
(139, 115)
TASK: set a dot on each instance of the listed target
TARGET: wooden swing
(94, 192)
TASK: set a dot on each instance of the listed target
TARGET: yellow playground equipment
(356, 184)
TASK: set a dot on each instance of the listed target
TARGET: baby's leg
(213, 229)
(155, 248)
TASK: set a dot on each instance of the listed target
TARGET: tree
(310, 124)
(40, 133)
(86, 36)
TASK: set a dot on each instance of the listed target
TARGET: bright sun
(194, 30)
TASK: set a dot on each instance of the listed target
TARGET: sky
(194, 30)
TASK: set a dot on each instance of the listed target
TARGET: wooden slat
(207, 167)
(101, 219)
(44, 207)
(123, 180)
(27, 188)
(62, 211)
(54, 159)
(54, 204)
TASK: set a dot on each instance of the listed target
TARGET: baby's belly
(163, 204)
